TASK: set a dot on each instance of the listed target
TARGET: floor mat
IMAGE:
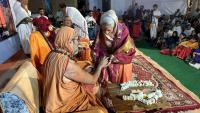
(175, 96)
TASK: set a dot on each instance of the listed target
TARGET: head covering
(78, 20)
(63, 37)
(41, 23)
(109, 18)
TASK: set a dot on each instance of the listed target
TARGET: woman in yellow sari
(63, 85)
(192, 42)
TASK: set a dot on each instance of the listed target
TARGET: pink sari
(123, 50)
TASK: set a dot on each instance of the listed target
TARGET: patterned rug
(175, 96)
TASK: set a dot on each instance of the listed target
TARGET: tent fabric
(9, 47)
(167, 7)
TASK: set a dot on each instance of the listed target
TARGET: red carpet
(175, 96)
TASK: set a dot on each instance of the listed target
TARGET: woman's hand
(114, 59)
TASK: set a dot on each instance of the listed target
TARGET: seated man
(39, 45)
(114, 41)
(63, 85)
(42, 13)
(45, 27)
(84, 56)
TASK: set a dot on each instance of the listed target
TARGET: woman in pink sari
(115, 42)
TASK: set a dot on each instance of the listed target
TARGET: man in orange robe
(64, 82)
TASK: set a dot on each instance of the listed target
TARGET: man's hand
(104, 62)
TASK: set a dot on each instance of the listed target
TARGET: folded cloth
(10, 103)
(196, 65)
(165, 52)
(24, 84)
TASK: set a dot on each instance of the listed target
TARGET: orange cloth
(2, 18)
(125, 73)
(84, 58)
(60, 96)
(39, 49)
(191, 43)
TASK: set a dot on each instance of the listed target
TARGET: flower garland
(147, 99)
(136, 83)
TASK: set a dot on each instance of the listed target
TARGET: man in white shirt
(188, 30)
(23, 23)
(42, 13)
(91, 22)
(154, 24)
(177, 28)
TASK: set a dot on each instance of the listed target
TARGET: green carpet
(187, 75)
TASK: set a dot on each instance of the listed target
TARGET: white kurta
(178, 29)
(153, 30)
(24, 30)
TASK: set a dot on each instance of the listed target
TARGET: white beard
(75, 51)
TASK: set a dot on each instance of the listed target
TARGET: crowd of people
(175, 34)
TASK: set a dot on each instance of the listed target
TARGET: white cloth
(178, 29)
(20, 13)
(24, 30)
(188, 32)
(196, 65)
(78, 20)
(153, 30)
(88, 20)
(168, 34)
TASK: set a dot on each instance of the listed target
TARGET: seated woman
(63, 86)
(184, 49)
(172, 40)
(113, 40)
(192, 42)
